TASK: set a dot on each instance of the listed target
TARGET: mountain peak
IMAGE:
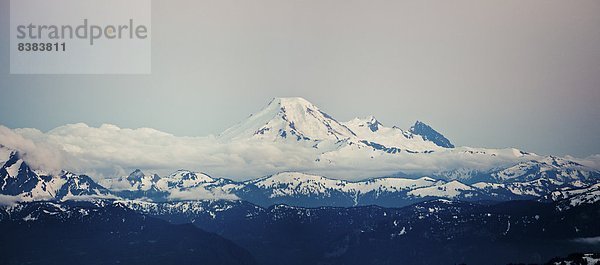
(291, 104)
(189, 176)
(373, 123)
(289, 118)
(369, 122)
(289, 101)
(136, 175)
(429, 134)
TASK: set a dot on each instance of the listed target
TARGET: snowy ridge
(180, 185)
(292, 184)
(574, 197)
(374, 133)
(552, 167)
(301, 189)
(300, 184)
(208, 207)
(536, 179)
(450, 190)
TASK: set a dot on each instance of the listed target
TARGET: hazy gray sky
(484, 73)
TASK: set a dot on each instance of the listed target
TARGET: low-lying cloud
(38, 154)
(109, 151)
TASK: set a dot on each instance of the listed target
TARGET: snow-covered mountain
(528, 180)
(300, 189)
(370, 132)
(307, 190)
(452, 190)
(319, 144)
(293, 188)
(309, 134)
(290, 134)
(551, 167)
(180, 185)
(295, 123)
(18, 180)
(289, 118)
(297, 120)
(537, 179)
(569, 198)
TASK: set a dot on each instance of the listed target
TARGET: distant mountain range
(297, 122)
(496, 207)
(289, 134)
(533, 180)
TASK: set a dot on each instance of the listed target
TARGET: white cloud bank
(109, 151)
(592, 161)
(39, 155)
